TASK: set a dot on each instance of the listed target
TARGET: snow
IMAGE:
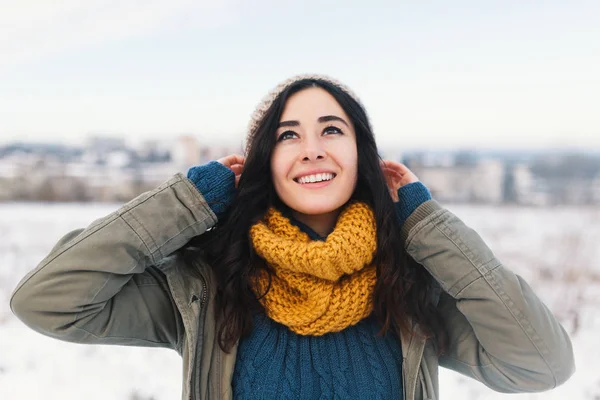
(554, 249)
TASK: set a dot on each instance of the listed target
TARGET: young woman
(307, 269)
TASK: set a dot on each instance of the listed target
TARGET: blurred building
(461, 178)
(105, 144)
(529, 190)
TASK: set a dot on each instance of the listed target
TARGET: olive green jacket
(121, 281)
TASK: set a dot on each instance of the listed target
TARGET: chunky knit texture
(276, 363)
(318, 286)
(410, 197)
(216, 182)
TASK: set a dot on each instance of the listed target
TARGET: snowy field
(556, 249)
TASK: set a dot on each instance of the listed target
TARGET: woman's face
(314, 161)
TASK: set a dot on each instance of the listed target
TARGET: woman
(307, 269)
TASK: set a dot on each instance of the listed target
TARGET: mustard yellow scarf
(317, 287)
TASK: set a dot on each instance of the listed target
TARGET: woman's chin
(317, 208)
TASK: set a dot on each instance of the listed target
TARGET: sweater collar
(303, 227)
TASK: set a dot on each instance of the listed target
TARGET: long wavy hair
(402, 294)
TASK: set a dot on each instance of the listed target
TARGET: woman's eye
(286, 135)
(332, 129)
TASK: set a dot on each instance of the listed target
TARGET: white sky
(431, 73)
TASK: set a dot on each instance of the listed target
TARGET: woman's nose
(313, 150)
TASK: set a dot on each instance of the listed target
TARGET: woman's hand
(234, 162)
(396, 175)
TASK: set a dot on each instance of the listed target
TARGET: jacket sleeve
(500, 332)
(102, 285)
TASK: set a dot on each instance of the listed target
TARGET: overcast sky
(431, 73)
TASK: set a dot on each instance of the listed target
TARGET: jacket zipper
(193, 395)
(418, 365)
(404, 379)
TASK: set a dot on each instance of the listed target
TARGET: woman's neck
(322, 224)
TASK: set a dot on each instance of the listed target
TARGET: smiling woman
(307, 268)
(315, 149)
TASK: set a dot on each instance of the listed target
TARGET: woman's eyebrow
(325, 118)
(328, 118)
(288, 123)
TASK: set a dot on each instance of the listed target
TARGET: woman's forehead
(311, 104)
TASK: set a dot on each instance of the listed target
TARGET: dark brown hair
(403, 293)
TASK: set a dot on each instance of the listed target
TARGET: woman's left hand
(396, 175)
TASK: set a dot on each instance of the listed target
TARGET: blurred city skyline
(431, 74)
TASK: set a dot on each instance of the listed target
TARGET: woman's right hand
(234, 162)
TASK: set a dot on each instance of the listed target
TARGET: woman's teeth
(316, 178)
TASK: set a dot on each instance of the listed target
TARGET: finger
(392, 173)
(394, 165)
(403, 168)
(391, 168)
(394, 194)
(403, 171)
(237, 169)
(232, 159)
(237, 159)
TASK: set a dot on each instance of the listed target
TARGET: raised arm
(500, 332)
(103, 284)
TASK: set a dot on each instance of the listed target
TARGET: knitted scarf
(317, 287)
